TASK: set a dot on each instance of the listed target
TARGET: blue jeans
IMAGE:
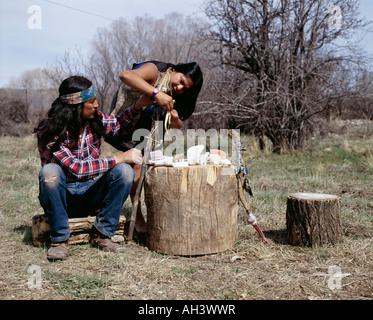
(62, 200)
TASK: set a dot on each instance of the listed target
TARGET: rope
(164, 86)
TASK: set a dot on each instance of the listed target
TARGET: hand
(176, 122)
(131, 156)
(164, 100)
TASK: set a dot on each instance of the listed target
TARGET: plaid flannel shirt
(82, 162)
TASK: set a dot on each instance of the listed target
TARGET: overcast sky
(69, 24)
(65, 25)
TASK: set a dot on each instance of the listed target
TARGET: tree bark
(313, 219)
(191, 210)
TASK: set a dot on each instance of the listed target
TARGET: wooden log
(80, 229)
(191, 210)
(313, 219)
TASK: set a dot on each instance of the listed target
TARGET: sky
(26, 44)
(35, 33)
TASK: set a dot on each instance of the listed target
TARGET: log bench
(80, 229)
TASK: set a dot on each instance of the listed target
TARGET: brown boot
(104, 243)
(58, 251)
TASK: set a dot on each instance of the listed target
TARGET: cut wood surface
(80, 229)
(313, 219)
(191, 210)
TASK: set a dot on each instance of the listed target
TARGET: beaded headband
(79, 97)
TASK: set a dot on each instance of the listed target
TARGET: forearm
(122, 124)
(136, 82)
(130, 156)
(143, 80)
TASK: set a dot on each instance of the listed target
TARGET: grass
(340, 164)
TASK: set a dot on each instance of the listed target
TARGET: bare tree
(285, 52)
(32, 90)
(362, 104)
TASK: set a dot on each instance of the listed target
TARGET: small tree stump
(313, 219)
(80, 229)
(191, 210)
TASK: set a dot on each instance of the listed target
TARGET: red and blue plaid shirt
(82, 161)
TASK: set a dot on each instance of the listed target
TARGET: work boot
(58, 251)
(104, 243)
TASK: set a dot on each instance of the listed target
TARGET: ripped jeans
(62, 200)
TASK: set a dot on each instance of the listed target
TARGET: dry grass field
(339, 163)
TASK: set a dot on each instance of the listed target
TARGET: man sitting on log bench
(74, 181)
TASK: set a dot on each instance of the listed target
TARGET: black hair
(186, 102)
(63, 117)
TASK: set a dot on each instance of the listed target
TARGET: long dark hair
(184, 103)
(63, 117)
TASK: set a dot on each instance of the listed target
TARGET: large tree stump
(313, 219)
(191, 210)
(80, 229)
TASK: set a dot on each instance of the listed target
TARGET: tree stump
(313, 219)
(191, 210)
(80, 229)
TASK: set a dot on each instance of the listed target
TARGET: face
(89, 108)
(180, 82)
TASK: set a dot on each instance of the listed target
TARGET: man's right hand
(131, 156)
